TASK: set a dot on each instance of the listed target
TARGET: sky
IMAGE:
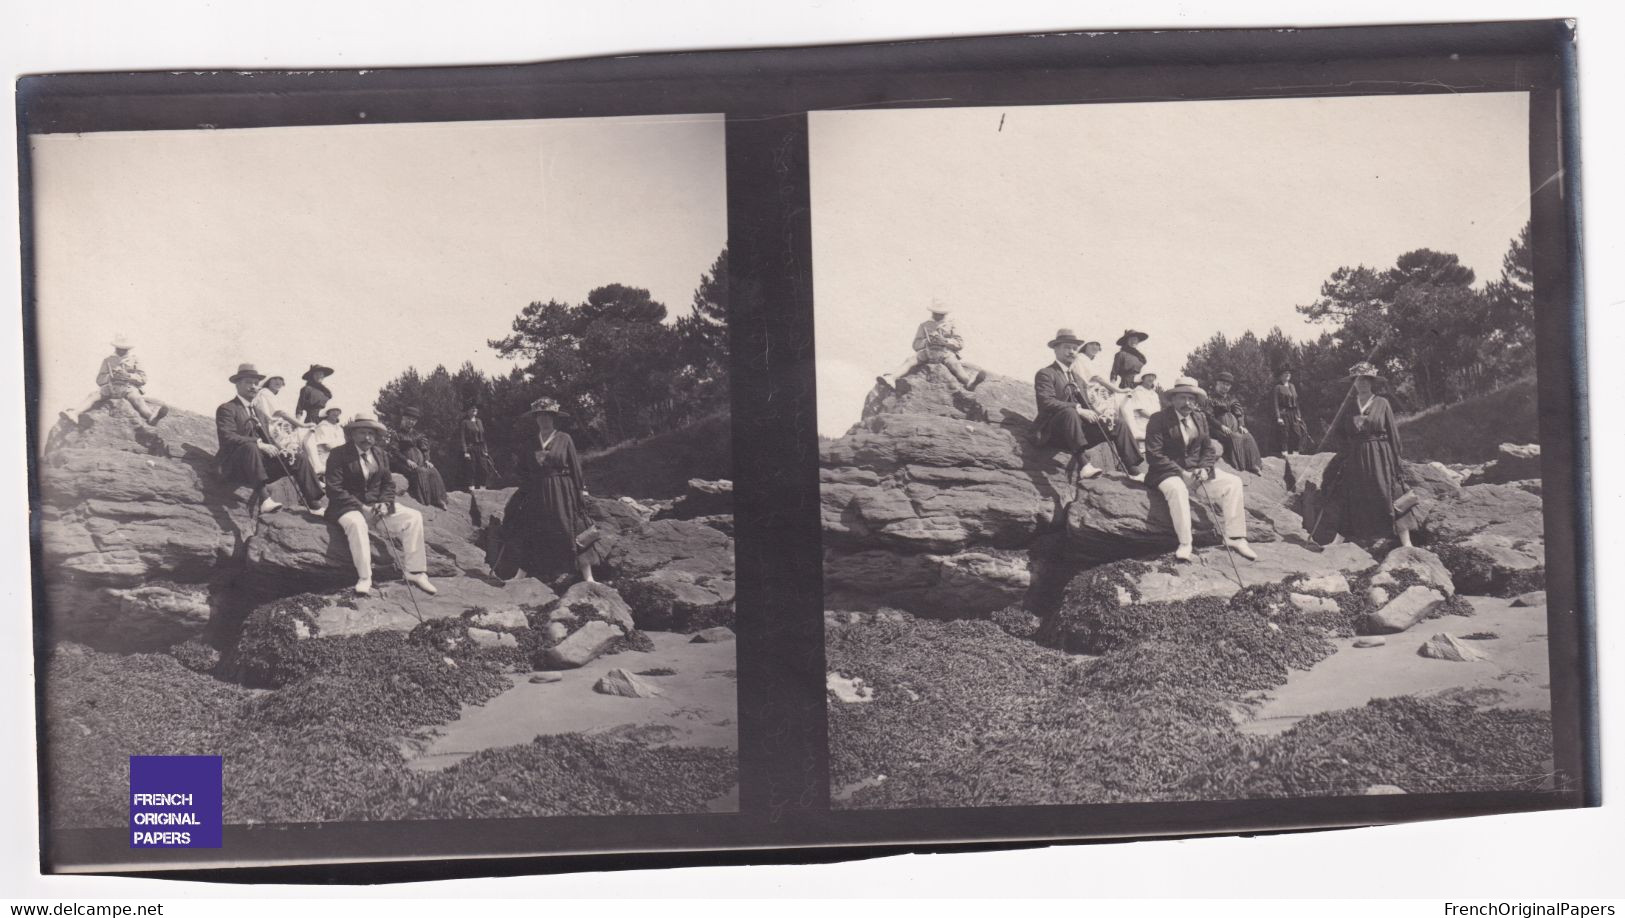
(367, 248)
(1180, 219)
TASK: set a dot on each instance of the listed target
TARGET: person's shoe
(268, 505)
(1240, 547)
(363, 587)
(1182, 553)
(1089, 471)
(69, 415)
(1138, 476)
(159, 415)
(976, 380)
(885, 380)
(421, 581)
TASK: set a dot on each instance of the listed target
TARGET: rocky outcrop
(1513, 462)
(1115, 518)
(943, 486)
(146, 548)
(1491, 537)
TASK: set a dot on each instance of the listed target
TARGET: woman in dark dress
(314, 395)
(544, 516)
(1289, 427)
(1365, 478)
(1230, 426)
(1128, 363)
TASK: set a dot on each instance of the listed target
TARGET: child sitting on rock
(936, 341)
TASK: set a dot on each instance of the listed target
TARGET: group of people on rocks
(344, 470)
(1173, 440)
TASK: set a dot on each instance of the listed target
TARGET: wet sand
(1516, 675)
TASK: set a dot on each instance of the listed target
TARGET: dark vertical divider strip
(783, 733)
(1560, 343)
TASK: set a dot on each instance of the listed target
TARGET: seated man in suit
(1067, 418)
(361, 490)
(247, 456)
(1182, 458)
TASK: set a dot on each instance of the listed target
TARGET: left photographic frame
(389, 462)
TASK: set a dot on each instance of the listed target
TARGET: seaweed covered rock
(583, 646)
(1424, 564)
(1491, 537)
(597, 601)
(1098, 604)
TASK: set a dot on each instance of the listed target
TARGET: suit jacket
(237, 430)
(1057, 391)
(1166, 452)
(348, 488)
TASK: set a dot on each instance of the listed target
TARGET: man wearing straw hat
(120, 377)
(936, 341)
(361, 493)
(247, 456)
(1067, 417)
(1182, 458)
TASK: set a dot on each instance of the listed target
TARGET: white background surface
(1567, 854)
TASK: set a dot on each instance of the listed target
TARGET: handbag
(588, 537)
(1404, 504)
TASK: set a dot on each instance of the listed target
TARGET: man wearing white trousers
(361, 494)
(1182, 459)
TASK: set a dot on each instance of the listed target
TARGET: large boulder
(1125, 591)
(1116, 518)
(703, 498)
(1404, 610)
(1423, 566)
(945, 486)
(1491, 537)
(141, 619)
(1513, 462)
(396, 606)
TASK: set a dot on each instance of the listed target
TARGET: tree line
(612, 361)
(1435, 338)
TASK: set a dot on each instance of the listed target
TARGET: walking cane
(282, 462)
(1104, 433)
(396, 554)
(1213, 513)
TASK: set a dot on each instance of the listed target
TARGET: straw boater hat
(1065, 336)
(1185, 385)
(314, 369)
(1364, 368)
(546, 406)
(1144, 374)
(121, 342)
(1129, 334)
(244, 371)
(365, 419)
(330, 409)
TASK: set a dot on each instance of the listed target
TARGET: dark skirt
(427, 487)
(1244, 454)
(1364, 486)
(539, 527)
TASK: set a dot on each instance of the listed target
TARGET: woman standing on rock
(546, 515)
(1365, 477)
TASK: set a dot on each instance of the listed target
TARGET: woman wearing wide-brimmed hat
(314, 395)
(547, 514)
(1230, 425)
(1365, 478)
(1128, 363)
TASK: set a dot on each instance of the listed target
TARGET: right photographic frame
(1176, 451)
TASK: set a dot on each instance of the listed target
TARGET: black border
(765, 94)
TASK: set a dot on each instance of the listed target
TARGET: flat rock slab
(395, 606)
(1515, 676)
(1212, 574)
(697, 706)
